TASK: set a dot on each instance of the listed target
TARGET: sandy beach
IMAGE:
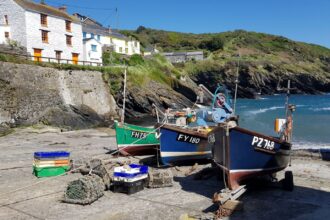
(23, 196)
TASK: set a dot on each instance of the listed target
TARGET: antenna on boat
(124, 94)
(236, 84)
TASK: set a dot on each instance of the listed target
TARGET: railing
(40, 59)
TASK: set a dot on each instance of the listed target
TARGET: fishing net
(84, 190)
(160, 178)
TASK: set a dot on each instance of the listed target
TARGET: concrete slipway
(22, 196)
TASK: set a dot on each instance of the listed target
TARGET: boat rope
(71, 171)
(134, 142)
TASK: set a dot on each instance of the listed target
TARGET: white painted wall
(4, 29)
(118, 43)
(16, 20)
(56, 36)
(90, 55)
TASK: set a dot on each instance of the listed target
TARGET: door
(75, 58)
(37, 55)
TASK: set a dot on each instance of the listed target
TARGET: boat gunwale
(184, 130)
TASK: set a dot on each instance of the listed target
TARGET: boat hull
(136, 140)
(178, 145)
(244, 154)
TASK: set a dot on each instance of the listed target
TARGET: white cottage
(44, 30)
(108, 37)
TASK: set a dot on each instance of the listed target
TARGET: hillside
(266, 61)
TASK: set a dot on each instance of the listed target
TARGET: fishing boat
(180, 144)
(243, 154)
(136, 140)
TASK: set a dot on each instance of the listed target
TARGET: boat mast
(287, 99)
(236, 84)
(124, 94)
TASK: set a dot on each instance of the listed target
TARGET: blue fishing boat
(243, 154)
(190, 143)
(179, 144)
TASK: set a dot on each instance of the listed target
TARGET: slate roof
(95, 29)
(45, 9)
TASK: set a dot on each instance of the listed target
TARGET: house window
(7, 35)
(6, 20)
(58, 55)
(43, 20)
(98, 37)
(84, 35)
(126, 50)
(68, 40)
(68, 26)
(126, 43)
(94, 48)
(135, 44)
(120, 49)
(92, 35)
(44, 36)
(111, 41)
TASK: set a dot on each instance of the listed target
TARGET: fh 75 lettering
(263, 144)
(188, 138)
(138, 135)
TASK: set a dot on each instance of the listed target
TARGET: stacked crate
(47, 164)
(130, 179)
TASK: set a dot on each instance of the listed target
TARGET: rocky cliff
(71, 99)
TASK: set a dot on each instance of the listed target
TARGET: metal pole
(287, 100)
(236, 85)
(124, 99)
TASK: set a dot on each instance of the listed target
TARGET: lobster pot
(85, 190)
(46, 164)
(160, 178)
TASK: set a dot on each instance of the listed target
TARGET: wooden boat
(179, 144)
(136, 140)
(190, 143)
(243, 154)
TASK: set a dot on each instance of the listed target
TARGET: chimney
(42, 2)
(62, 8)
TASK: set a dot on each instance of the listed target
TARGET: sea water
(311, 120)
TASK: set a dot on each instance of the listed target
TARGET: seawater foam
(320, 109)
(309, 145)
(263, 110)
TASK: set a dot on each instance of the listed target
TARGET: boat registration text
(138, 134)
(188, 138)
(262, 144)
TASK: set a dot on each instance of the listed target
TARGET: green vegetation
(257, 50)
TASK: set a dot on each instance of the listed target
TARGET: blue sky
(302, 20)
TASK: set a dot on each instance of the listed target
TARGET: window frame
(92, 35)
(6, 20)
(7, 35)
(58, 55)
(68, 26)
(68, 40)
(44, 20)
(93, 48)
(44, 36)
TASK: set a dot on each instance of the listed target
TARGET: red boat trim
(235, 178)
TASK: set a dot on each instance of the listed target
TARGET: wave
(263, 110)
(320, 109)
(309, 145)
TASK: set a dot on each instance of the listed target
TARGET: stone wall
(28, 91)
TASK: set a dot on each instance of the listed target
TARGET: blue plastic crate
(142, 170)
(52, 154)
